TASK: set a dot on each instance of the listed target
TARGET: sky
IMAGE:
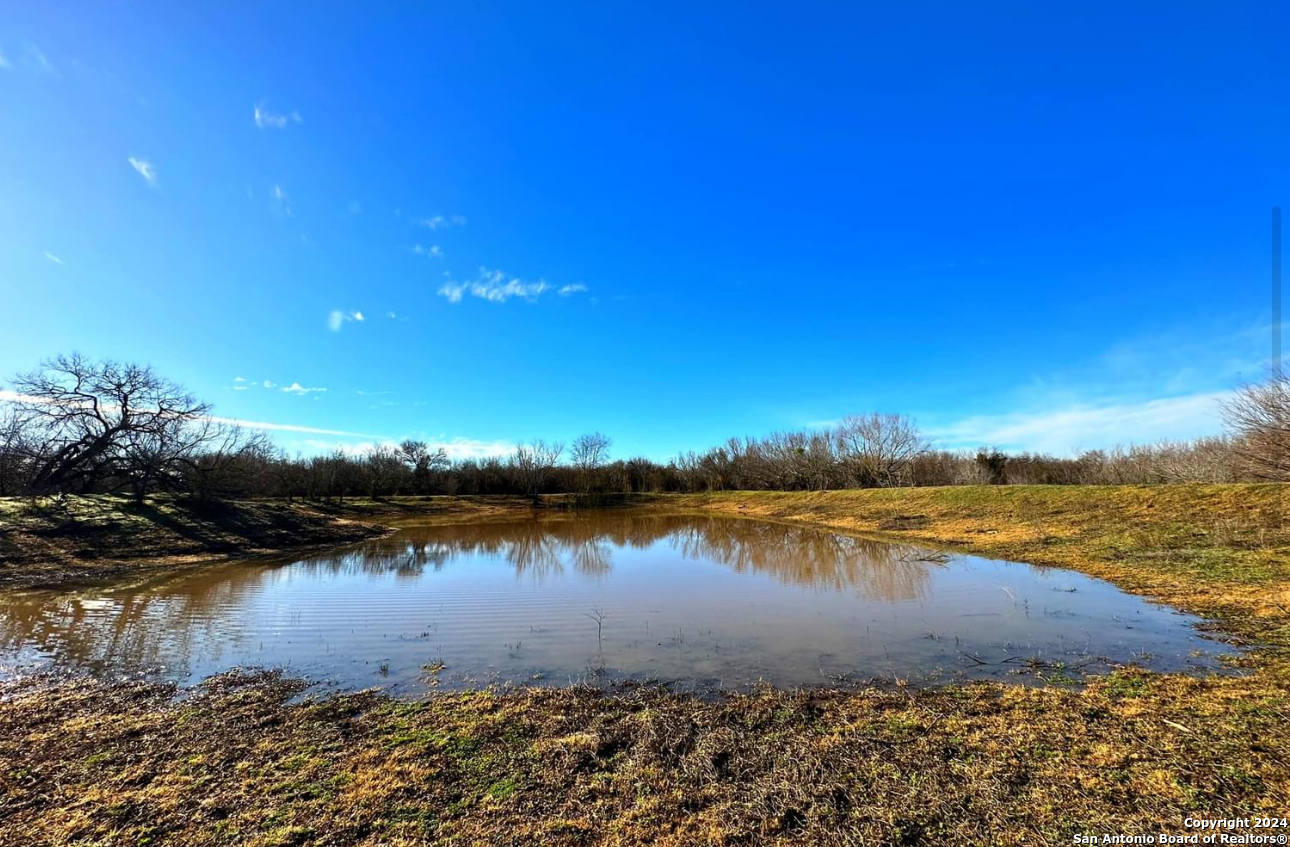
(1027, 226)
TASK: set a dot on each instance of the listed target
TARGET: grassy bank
(238, 762)
(88, 763)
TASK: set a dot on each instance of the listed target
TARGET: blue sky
(1025, 226)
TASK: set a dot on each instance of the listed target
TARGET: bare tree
(1260, 415)
(818, 459)
(588, 454)
(230, 462)
(422, 461)
(878, 449)
(690, 469)
(166, 455)
(533, 462)
(383, 471)
(335, 475)
(105, 421)
(16, 452)
(289, 475)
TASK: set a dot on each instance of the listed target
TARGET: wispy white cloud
(455, 448)
(1068, 429)
(279, 427)
(15, 397)
(266, 118)
(498, 287)
(281, 201)
(51, 257)
(1166, 385)
(349, 448)
(355, 207)
(31, 59)
(145, 168)
(433, 250)
(298, 389)
(10, 396)
(471, 448)
(241, 383)
(34, 58)
(338, 318)
(1196, 358)
(440, 222)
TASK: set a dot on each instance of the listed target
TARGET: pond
(698, 602)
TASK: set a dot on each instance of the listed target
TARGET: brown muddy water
(697, 602)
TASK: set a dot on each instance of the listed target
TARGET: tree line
(77, 426)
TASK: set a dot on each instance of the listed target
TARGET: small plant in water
(599, 617)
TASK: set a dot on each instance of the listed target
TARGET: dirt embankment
(49, 541)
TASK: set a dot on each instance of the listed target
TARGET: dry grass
(86, 763)
(239, 762)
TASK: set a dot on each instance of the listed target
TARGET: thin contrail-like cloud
(16, 397)
(277, 427)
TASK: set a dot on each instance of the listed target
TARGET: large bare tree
(106, 422)
(422, 461)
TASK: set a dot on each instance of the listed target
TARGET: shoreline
(1218, 551)
(243, 758)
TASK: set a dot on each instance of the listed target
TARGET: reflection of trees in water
(537, 548)
(166, 620)
(401, 557)
(802, 556)
(794, 555)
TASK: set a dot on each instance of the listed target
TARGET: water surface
(698, 602)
